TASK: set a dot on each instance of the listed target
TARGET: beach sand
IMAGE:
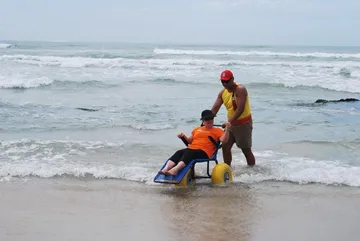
(88, 209)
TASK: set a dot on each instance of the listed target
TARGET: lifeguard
(235, 98)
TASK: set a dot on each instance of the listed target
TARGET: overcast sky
(255, 22)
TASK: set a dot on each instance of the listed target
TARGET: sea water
(113, 110)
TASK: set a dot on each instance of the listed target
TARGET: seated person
(200, 146)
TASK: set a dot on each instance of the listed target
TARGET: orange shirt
(201, 139)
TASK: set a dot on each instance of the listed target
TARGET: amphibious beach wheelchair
(221, 173)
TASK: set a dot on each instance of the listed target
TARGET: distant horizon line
(172, 43)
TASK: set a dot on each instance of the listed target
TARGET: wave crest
(281, 167)
(259, 53)
(6, 46)
(48, 159)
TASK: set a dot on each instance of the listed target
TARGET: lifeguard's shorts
(241, 135)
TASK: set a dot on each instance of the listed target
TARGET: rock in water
(335, 101)
(86, 109)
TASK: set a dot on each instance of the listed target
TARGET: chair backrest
(217, 145)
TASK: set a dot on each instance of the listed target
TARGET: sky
(252, 22)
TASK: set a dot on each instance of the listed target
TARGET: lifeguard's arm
(241, 94)
(218, 102)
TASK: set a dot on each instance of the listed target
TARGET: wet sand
(73, 209)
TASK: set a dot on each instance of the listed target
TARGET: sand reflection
(210, 213)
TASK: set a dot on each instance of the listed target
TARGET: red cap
(226, 75)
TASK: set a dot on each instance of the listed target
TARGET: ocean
(113, 110)
(86, 126)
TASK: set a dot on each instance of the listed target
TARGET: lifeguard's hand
(181, 135)
(226, 124)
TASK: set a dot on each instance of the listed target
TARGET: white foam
(173, 63)
(6, 179)
(324, 74)
(281, 167)
(59, 168)
(46, 160)
(19, 81)
(327, 82)
(90, 145)
(5, 45)
(349, 111)
(74, 62)
(152, 126)
(257, 53)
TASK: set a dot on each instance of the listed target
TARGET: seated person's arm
(225, 137)
(188, 139)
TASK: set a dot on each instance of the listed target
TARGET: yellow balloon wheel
(188, 180)
(221, 174)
